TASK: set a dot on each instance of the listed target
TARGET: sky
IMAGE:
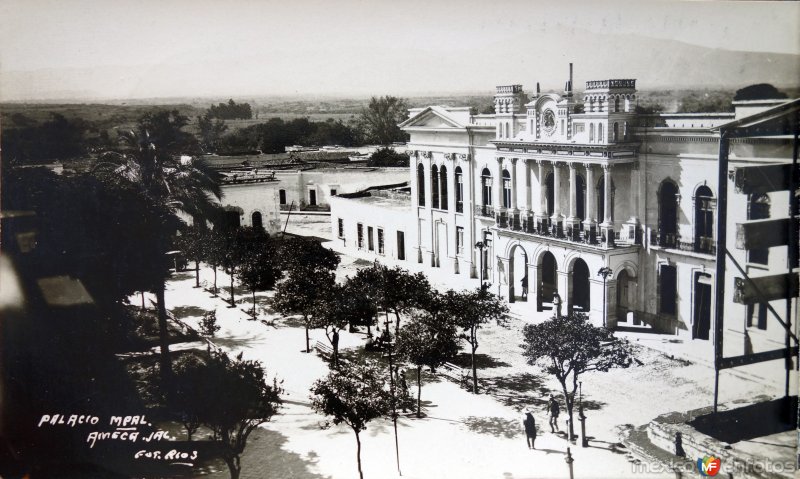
(155, 48)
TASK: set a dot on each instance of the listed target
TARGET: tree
(381, 117)
(259, 269)
(238, 400)
(306, 254)
(211, 131)
(301, 294)
(569, 346)
(388, 157)
(427, 341)
(354, 395)
(760, 91)
(214, 247)
(191, 242)
(188, 395)
(150, 161)
(472, 310)
(343, 305)
(394, 290)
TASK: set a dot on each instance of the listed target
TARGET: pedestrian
(524, 287)
(530, 430)
(553, 408)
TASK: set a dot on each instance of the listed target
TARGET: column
(607, 226)
(541, 213)
(526, 214)
(513, 215)
(573, 222)
(589, 223)
(556, 218)
(632, 225)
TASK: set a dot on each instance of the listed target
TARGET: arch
(591, 132)
(704, 220)
(256, 220)
(486, 187)
(420, 185)
(616, 104)
(506, 189)
(624, 305)
(616, 130)
(599, 132)
(547, 280)
(667, 213)
(518, 280)
(459, 189)
(434, 186)
(443, 187)
(579, 286)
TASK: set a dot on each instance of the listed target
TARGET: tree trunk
(358, 456)
(419, 391)
(163, 335)
(568, 402)
(234, 466)
(143, 306)
(233, 301)
(396, 322)
(474, 371)
(196, 273)
(308, 343)
(254, 304)
(215, 280)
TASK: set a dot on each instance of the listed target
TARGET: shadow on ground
(482, 361)
(494, 426)
(181, 312)
(265, 457)
(518, 390)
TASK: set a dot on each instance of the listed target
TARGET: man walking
(530, 430)
(553, 408)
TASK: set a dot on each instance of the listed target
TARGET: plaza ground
(462, 435)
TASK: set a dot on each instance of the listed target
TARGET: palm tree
(149, 159)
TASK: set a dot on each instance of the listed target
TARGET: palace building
(554, 190)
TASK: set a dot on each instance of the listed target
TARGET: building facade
(542, 197)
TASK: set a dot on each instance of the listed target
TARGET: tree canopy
(380, 119)
(230, 111)
(388, 157)
(568, 346)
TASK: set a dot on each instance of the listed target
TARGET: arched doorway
(704, 220)
(667, 214)
(517, 274)
(580, 198)
(256, 221)
(550, 191)
(623, 296)
(580, 286)
(548, 275)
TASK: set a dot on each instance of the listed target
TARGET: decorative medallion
(549, 121)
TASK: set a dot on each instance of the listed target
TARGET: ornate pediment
(432, 117)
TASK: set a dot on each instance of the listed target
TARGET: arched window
(758, 209)
(625, 131)
(667, 214)
(459, 190)
(434, 186)
(704, 220)
(506, 189)
(486, 187)
(420, 185)
(443, 187)
(616, 130)
(600, 133)
(591, 132)
(508, 130)
(256, 221)
(616, 104)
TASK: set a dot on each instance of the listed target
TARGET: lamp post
(605, 272)
(480, 245)
(581, 416)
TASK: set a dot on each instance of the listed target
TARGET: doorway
(547, 282)
(701, 326)
(580, 286)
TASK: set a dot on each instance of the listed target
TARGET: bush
(208, 325)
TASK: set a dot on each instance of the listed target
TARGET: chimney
(569, 84)
(537, 88)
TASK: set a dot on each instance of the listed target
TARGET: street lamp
(605, 272)
(480, 245)
(581, 416)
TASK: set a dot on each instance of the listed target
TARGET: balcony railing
(704, 245)
(485, 211)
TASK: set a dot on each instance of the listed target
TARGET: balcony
(703, 244)
(484, 211)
